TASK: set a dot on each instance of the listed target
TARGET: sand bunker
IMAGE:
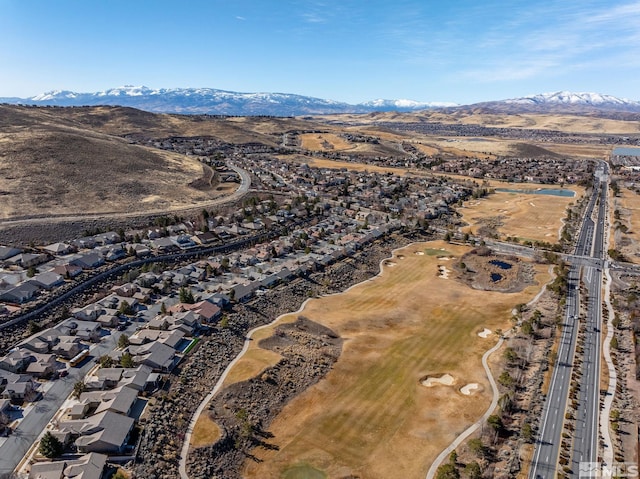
(484, 333)
(444, 380)
(390, 263)
(469, 389)
(420, 253)
(444, 258)
(443, 272)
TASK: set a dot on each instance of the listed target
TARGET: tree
(614, 343)
(506, 380)
(510, 355)
(186, 296)
(125, 308)
(527, 432)
(453, 458)
(527, 328)
(447, 471)
(473, 471)
(78, 388)
(106, 361)
(477, 447)
(495, 422)
(126, 360)
(163, 309)
(123, 341)
(50, 446)
(31, 272)
(33, 327)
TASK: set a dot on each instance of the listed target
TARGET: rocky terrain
(481, 269)
(245, 410)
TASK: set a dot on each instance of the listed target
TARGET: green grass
(194, 341)
(436, 252)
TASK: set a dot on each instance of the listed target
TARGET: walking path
(182, 467)
(605, 412)
(494, 401)
(471, 429)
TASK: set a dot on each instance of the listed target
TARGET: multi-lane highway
(590, 248)
(585, 438)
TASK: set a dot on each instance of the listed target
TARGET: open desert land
(542, 121)
(325, 142)
(625, 229)
(377, 414)
(99, 173)
(566, 122)
(526, 216)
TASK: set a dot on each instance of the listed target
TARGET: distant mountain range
(216, 102)
(221, 102)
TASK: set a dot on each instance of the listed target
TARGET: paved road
(547, 448)
(585, 442)
(590, 249)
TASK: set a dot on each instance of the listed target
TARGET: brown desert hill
(70, 160)
(53, 165)
(567, 119)
(122, 121)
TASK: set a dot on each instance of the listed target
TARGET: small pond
(500, 264)
(495, 277)
(540, 191)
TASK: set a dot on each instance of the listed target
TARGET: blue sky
(459, 51)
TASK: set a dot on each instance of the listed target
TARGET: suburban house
(138, 378)
(158, 356)
(67, 270)
(59, 249)
(106, 432)
(84, 330)
(144, 336)
(27, 260)
(90, 312)
(119, 400)
(21, 293)
(87, 260)
(7, 252)
(85, 242)
(67, 347)
(16, 361)
(15, 387)
(89, 466)
(41, 365)
(48, 280)
(208, 312)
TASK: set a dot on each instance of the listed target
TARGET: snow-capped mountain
(403, 105)
(212, 101)
(221, 102)
(573, 98)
